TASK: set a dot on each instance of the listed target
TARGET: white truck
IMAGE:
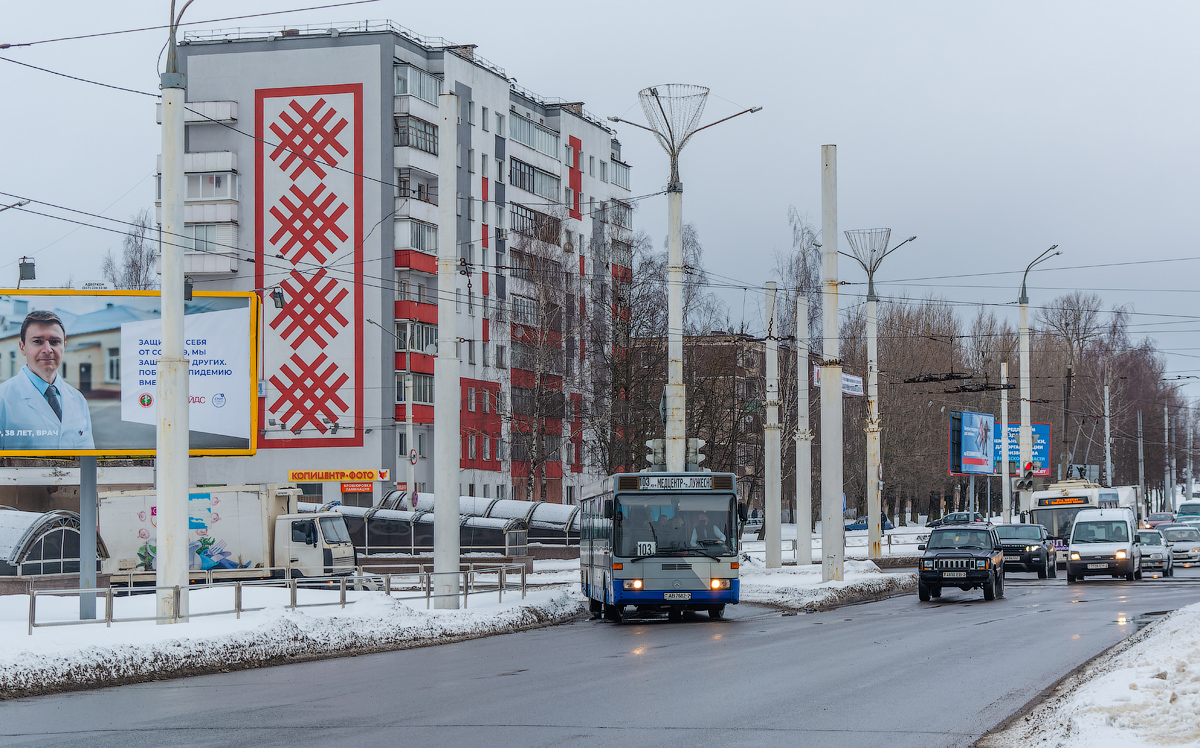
(234, 532)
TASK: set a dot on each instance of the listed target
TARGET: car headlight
(1156, 555)
(1121, 554)
(927, 563)
(631, 584)
(981, 563)
(719, 584)
(1074, 555)
(1031, 547)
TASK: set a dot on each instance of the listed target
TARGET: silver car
(1156, 553)
(1186, 542)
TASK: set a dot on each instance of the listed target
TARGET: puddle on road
(1143, 620)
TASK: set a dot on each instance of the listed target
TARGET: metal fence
(420, 580)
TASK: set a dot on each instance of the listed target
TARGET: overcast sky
(989, 130)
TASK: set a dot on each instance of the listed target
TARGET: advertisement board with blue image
(977, 449)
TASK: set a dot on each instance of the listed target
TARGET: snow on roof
(13, 526)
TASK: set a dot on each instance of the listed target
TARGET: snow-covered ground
(801, 588)
(89, 655)
(901, 541)
(1145, 692)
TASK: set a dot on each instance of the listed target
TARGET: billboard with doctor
(977, 448)
(78, 372)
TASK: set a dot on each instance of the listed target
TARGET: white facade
(313, 158)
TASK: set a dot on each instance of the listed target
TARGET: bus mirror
(608, 509)
(742, 512)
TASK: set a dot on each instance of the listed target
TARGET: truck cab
(314, 544)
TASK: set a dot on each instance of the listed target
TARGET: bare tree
(136, 270)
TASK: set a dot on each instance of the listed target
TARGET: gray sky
(990, 130)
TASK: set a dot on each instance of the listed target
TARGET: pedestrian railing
(508, 578)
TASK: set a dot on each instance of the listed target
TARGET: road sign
(412, 456)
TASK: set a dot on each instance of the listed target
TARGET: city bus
(1055, 508)
(660, 542)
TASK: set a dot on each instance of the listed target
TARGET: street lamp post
(1026, 435)
(870, 247)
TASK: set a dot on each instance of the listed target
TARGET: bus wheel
(613, 613)
(716, 612)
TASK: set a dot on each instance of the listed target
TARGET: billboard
(1041, 448)
(977, 438)
(78, 372)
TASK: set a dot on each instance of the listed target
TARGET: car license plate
(954, 574)
(677, 596)
(1012, 558)
(1097, 566)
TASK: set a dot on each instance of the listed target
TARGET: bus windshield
(1056, 521)
(678, 524)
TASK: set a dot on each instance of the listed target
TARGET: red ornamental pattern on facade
(308, 243)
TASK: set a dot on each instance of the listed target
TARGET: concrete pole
(171, 454)
(1168, 502)
(803, 440)
(1187, 424)
(772, 532)
(676, 427)
(1108, 465)
(87, 537)
(1025, 438)
(1005, 479)
(1172, 444)
(873, 428)
(447, 441)
(408, 439)
(1142, 466)
(833, 530)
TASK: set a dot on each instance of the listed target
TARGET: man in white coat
(38, 409)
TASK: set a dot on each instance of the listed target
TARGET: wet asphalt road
(895, 673)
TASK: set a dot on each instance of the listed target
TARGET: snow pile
(1144, 692)
(801, 588)
(89, 656)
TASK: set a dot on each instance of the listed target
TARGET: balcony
(415, 158)
(417, 107)
(415, 206)
(201, 112)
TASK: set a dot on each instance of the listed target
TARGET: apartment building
(312, 179)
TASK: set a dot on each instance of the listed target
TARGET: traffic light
(658, 451)
(1025, 482)
(694, 458)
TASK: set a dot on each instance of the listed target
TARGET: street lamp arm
(751, 110)
(898, 246)
(627, 122)
(1039, 259)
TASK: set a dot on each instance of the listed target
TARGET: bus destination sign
(675, 483)
(1062, 501)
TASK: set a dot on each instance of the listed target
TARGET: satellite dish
(431, 349)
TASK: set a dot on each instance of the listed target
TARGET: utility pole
(1108, 465)
(1005, 481)
(772, 532)
(171, 450)
(1172, 444)
(1142, 465)
(408, 439)
(870, 247)
(1168, 504)
(1187, 424)
(832, 528)
(804, 439)
(446, 389)
(1026, 434)
(1064, 460)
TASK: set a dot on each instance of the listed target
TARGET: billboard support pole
(171, 456)
(1005, 484)
(446, 390)
(772, 531)
(87, 537)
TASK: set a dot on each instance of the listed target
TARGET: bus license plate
(677, 596)
(1097, 566)
(954, 574)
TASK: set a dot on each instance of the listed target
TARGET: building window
(501, 489)
(471, 450)
(487, 401)
(603, 171)
(532, 179)
(591, 166)
(500, 362)
(499, 171)
(470, 112)
(524, 310)
(620, 174)
(203, 237)
(483, 166)
(416, 82)
(483, 119)
(416, 133)
(471, 160)
(421, 450)
(471, 399)
(423, 236)
(622, 214)
(530, 133)
(537, 225)
(487, 451)
(570, 494)
(422, 389)
(499, 123)
(210, 187)
(112, 365)
(418, 337)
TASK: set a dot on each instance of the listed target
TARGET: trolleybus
(1055, 508)
(660, 541)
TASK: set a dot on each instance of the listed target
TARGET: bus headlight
(719, 584)
(1121, 554)
(631, 584)
(1074, 555)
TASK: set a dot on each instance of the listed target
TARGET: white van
(1103, 541)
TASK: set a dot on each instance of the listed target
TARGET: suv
(966, 556)
(1103, 542)
(1028, 548)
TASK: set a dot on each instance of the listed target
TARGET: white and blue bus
(660, 541)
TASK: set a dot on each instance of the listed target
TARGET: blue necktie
(52, 398)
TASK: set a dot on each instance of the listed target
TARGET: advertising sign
(322, 476)
(358, 487)
(851, 385)
(1041, 448)
(79, 372)
(977, 437)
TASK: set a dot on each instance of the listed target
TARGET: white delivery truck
(234, 532)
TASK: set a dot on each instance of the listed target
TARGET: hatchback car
(956, 518)
(1157, 518)
(1186, 542)
(1156, 552)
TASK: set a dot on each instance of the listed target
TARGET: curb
(896, 587)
